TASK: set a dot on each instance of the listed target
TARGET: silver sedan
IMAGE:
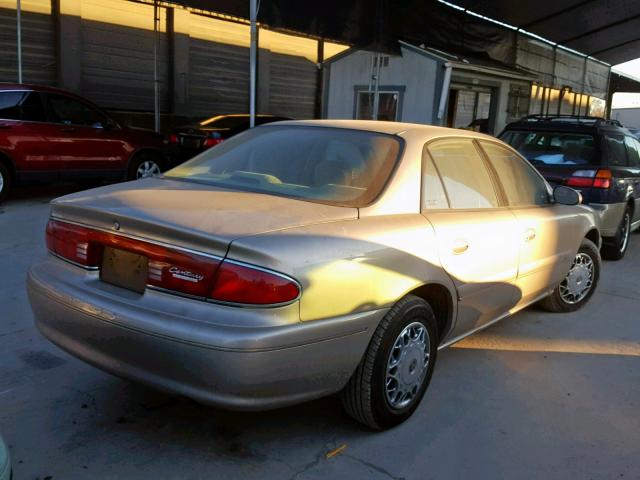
(301, 259)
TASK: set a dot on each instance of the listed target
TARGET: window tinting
(547, 148)
(616, 151)
(466, 180)
(522, 184)
(69, 111)
(433, 196)
(328, 165)
(633, 151)
(17, 105)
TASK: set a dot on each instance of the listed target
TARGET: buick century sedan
(306, 258)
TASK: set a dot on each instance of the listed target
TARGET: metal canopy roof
(607, 30)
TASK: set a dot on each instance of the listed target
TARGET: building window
(470, 109)
(389, 104)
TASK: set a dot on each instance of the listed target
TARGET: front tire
(581, 281)
(393, 376)
(614, 248)
(5, 182)
(145, 165)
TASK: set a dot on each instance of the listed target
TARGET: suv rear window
(21, 105)
(553, 148)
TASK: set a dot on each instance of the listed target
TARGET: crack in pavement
(373, 467)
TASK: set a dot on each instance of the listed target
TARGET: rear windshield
(553, 148)
(326, 165)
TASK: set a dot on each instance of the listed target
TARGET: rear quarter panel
(350, 266)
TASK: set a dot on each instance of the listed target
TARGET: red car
(49, 134)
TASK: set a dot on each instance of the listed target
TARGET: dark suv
(49, 134)
(598, 157)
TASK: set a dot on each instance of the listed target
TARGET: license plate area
(191, 142)
(124, 269)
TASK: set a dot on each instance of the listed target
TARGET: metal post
(156, 92)
(19, 34)
(253, 57)
(376, 88)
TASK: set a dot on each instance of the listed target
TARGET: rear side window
(20, 105)
(69, 111)
(522, 184)
(465, 178)
(633, 151)
(616, 151)
(554, 148)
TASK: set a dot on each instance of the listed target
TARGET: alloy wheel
(407, 365)
(148, 168)
(579, 280)
(625, 230)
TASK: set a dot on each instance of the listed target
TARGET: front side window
(328, 165)
(553, 148)
(522, 184)
(69, 111)
(21, 105)
(466, 180)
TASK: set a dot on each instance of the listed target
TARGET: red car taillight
(173, 269)
(590, 179)
(211, 142)
(173, 138)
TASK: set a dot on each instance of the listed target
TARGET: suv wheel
(144, 165)
(392, 377)
(5, 182)
(614, 248)
(579, 284)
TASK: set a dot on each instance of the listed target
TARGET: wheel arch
(440, 299)
(7, 162)
(147, 150)
(594, 236)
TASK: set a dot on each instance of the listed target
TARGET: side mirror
(566, 196)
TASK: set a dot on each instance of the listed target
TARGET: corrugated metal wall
(117, 60)
(292, 86)
(38, 42)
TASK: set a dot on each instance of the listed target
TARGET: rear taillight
(173, 138)
(175, 270)
(590, 179)
(238, 283)
(211, 142)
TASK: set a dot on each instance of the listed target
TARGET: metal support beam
(253, 60)
(19, 34)
(156, 80)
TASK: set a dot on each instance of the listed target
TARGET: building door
(470, 108)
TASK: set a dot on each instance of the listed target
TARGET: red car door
(23, 133)
(82, 139)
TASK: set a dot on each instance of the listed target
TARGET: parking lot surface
(535, 396)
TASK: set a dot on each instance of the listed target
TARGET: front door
(476, 234)
(80, 140)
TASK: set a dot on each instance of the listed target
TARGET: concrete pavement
(536, 396)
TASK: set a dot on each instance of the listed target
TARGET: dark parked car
(189, 140)
(50, 134)
(598, 157)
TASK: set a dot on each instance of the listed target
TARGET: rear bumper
(245, 359)
(610, 215)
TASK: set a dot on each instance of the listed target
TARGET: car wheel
(145, 165)
(578, 286)
(392, 377)
(5, 182)
(615, 248)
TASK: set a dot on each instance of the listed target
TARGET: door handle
(529, 235)
(460, 246)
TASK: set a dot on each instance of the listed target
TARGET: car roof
(560, 124)
(391, 128)
(29, 86)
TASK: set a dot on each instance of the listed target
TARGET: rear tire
(5, 182)
(396, 369)
(568, 296)
(145, 165)
(614, 248)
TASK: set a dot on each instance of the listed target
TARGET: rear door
(546, 232)
(80, 140)
(475, 232)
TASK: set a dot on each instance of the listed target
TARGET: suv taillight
(590, 179)
(173, 269)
